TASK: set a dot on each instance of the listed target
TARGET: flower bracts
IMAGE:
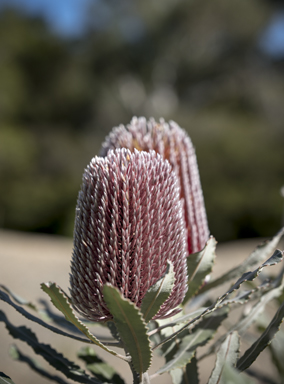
(173, 144)
(129, 222)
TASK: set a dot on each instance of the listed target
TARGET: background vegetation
(201, 63)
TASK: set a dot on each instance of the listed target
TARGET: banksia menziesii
(173, 144)
(129, 222)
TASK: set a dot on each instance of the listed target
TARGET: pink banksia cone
(129, 222)
(173, 144)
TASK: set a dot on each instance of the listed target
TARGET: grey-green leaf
(100, 368)
(199, 265)
(4, 296)
(60, 300)
(55, 359)
(16, 354)
(233, 376)
(228, 354)
(4, 379)
(247, 276)
(257, 310)
(19, 299)
(242, 325)
(263, 341)
(250, 276)
(277, 352)
(256, 257)
(199, 336)
(45, 313)
(131, 327)
(239, 299)
(158, 294)
(187, 374)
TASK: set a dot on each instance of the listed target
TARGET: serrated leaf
(263, 341)
(199, 336)
(59, 319)
(257, 256)
(131, 327)
(199, 265)
(170, 348)
(250, 276)
(240, 299)
(16, 354)
(158, 294)
(155, 338)
(4, 297)
(277, 352)
(100, 368)
(187, 374)
(55, 359)
(19, 299)
(233, 376)
(177, 320)
(46, 314)
(60, 300)
(242, 325)
(257, 310)
(247, 276)
(228, 354)
(260, 377)
(4, 379)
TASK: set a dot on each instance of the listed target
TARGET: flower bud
(129, 222)
(173, 144)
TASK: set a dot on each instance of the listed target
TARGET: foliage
(197, 63)
(178, 339)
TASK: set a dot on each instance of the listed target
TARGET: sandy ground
(27, 260)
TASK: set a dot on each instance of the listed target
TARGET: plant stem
(146, 378)
(136, 376)
(140, 378)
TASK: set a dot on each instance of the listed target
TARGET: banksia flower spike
(129, 222)
(173, 144)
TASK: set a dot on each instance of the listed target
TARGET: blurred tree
(195, 62)
(41, 111)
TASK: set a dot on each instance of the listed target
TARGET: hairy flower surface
(129, 222)
(173, 144)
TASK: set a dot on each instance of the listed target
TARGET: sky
(67, 18)
(272, 39)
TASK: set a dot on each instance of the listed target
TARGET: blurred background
(70, 70)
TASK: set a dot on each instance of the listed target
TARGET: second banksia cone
(129, 222)
(173, 144)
